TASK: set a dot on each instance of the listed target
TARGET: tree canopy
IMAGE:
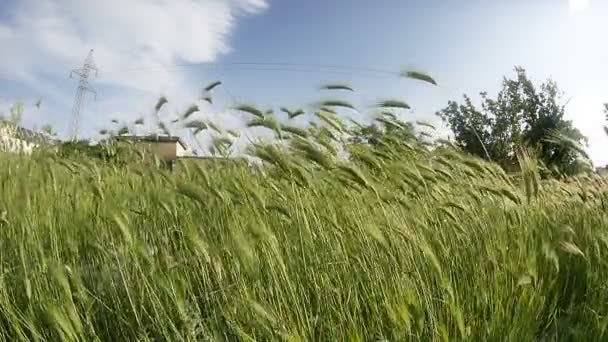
(522, 114)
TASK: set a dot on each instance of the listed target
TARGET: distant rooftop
(152, 138)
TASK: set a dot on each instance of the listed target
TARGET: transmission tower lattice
(83, 87)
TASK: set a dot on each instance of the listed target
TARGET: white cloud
(578, 5)
(50, 37)
(586, 113)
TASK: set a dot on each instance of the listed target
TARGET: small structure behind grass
(166, 148)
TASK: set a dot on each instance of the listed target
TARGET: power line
(275, 69)
(253, 66)
(278, 66)
(226, 89)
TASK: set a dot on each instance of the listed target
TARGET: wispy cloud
(44, 39)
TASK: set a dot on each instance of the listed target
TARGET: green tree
(385, 125)
(369, 134)
(83, 148)
(520, 115)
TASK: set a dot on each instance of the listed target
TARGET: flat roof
(152, 138)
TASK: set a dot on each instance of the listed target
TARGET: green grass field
(403, 244)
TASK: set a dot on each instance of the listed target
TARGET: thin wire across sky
(264, 66)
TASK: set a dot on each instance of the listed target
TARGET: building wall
(180, 150)
(164, 150)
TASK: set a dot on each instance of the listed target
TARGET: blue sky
(466, 45)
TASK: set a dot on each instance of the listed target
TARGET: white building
(15, 139)
(168, 148)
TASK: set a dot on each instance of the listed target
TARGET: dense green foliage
(402, 243)
(521, 114)
(83, 149)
